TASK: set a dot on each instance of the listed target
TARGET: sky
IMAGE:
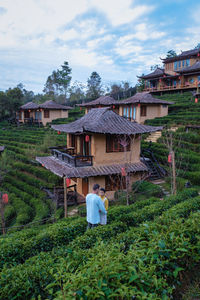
(119, 39)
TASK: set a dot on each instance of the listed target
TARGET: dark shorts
(92, 225)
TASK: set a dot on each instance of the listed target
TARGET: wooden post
(2, 214)
(65, 196)
(173, 172)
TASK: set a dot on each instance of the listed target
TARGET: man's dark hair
(103, 190)
(96, 186)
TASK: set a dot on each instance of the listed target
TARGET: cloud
(121, 11)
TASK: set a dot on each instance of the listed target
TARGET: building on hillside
(180, 73)
(42, 113)
(140, 107)
(103, 101)
(101, 147)
(143, 106)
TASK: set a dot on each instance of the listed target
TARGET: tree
(58, 82)
(154, 67)
(171, 53)
(64, 77)
(76, 92)
(15, 97)
(197, 46)
(140, 86)
(94, 86)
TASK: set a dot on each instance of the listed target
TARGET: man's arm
(101, 206)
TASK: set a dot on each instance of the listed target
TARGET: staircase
(154, 136)
(154, 174)
(155, 170)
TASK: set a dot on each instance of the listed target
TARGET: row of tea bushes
(125, 263)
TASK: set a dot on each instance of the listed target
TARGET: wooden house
(180, 73)
(140, 107)
(101, 147)
(143, 106)
(42, 113)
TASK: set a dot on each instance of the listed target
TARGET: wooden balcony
(172, 87)
(70, 156)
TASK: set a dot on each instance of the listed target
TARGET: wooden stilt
(65, 196)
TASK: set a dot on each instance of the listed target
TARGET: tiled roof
(103, 100)
(104, 120)
(50, 104)
(194, 67)
(156, 73)
(61, 168)
(183, 55)
(144, 97)
(29, 105)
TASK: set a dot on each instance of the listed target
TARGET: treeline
(59, 87)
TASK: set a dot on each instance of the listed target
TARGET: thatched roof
(159, 72)
(103, 100)
(144, 97)
(61, 168)
(104, 120)
(50, 104)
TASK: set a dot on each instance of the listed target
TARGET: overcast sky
(119, 39)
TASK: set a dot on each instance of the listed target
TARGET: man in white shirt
(94, 206)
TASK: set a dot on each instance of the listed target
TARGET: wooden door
(85, 186)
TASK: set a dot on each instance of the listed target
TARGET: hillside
(186, 143)
(23, 178)
(144, 252)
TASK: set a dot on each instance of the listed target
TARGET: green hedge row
(42, 274)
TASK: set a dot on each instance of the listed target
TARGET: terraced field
(23, 178)
(140, 254)
(186, 143)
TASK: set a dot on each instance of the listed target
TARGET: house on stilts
(102, 147)
(43, 113)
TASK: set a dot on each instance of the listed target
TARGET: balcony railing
(68, 156)
(172, 87)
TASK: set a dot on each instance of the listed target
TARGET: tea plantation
(23, 178)
(142, 253)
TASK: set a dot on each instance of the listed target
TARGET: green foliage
(94, 87)
(147, 188)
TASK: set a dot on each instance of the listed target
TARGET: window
(124, 112)
(143, 111)
(183, 63)
(134, 112)
(191, 80)
(175, 65)
(46, 113)
(174, 83)
(114, 143)
(127, 112)
(131, 112)
(115, 182)
(179, 64)
(164, 105)
(187, 62)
